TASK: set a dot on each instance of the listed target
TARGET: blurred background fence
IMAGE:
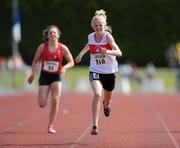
(144, 30)
(163, 80)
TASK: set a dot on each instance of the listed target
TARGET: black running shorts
(48, 78)
(107, 80)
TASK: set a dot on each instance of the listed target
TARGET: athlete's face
(98, 24)
(53, 34)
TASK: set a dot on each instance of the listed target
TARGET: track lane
(133, 123)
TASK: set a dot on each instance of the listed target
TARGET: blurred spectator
(8, 68)
(20, 64)
(150, 70)
(125, 71)
(1, 61)
(177, 55)
(170, 55)
(10, 63)
(128, 72)
(150, 83)
(135, 76)
(2, 71)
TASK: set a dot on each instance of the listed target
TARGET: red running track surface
(137, 121)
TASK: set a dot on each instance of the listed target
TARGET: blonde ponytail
(101, 13)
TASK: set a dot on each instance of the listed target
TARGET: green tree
(143, 29)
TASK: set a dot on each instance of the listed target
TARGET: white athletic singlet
(101, 63)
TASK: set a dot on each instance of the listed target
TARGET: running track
(137, 121)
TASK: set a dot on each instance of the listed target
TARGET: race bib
(51, 66)
(100, 59)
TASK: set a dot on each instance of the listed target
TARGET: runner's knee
(55, 101)
(97, 96)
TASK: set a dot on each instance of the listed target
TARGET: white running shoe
(51, 130)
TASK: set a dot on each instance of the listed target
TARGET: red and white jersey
(52, 61)
(101, 63)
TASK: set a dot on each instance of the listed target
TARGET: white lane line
(165, 126)
(80, 137)
(21, 123)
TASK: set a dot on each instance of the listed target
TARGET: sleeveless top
(101, 63)
(52, 61)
